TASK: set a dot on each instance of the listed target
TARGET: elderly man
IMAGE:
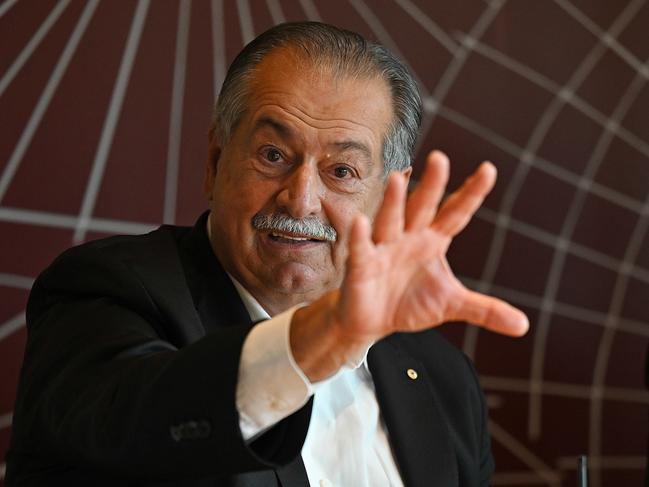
(154, 360)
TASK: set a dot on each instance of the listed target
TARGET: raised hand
(398, 278)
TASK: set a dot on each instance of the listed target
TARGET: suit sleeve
(104, 387)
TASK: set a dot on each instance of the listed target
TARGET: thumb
(492, 314)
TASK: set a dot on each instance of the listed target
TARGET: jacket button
(412, 373)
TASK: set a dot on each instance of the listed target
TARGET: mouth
(291, 238)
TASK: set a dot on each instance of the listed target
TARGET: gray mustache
(310, 227)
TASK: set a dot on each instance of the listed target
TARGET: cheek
(242, 193)
(342, 212)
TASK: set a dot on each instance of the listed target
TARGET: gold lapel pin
(412, 373)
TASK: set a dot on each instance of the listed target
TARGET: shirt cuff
(271, 385)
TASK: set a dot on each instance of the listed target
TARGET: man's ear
(213, 155)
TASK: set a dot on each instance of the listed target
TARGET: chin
(297, 278)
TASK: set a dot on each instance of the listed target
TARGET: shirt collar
(253, 307)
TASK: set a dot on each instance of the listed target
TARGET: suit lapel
(294, 474)
(215, 297)
(415, 423)
(157, 263)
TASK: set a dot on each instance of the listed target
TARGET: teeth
(286, 237)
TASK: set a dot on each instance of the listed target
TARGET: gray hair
(343, 52)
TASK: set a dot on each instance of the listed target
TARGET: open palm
(398, 278)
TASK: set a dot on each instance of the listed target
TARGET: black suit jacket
(130, 376)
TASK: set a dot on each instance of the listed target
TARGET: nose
(301, 193)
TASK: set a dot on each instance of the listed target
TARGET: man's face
(308, 147)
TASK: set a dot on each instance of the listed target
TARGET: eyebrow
(346, 145)
(288, 133)
(278, 127)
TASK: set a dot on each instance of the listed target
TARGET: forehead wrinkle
(332, 120)
(264, 119)
(301, 114)
(345, 144)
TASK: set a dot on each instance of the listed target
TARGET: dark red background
(554, 92)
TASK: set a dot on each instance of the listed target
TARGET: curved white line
(524, 454)
(110, 122)
(12, 325)
(433, 103)
(5, 420)
(377, 28)
(60, 220)
(310, 10)
(176, 115)
(564, 390)
(551, 240)
(578, 313)
(276, 12)
(15, 281)
(573, 99)
(544, 165)
(615, 308)
(245, 21)
(528, 157)
(31, 46)
(4, 8)
(569, 225)
(218, 45)
(428, 25)
(610, 41)
(608, 462)
(46, 97)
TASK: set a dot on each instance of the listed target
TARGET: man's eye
(341, 172)
(273, 155)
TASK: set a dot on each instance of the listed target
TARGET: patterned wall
(104, 108)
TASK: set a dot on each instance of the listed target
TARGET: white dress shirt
(347, 442)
